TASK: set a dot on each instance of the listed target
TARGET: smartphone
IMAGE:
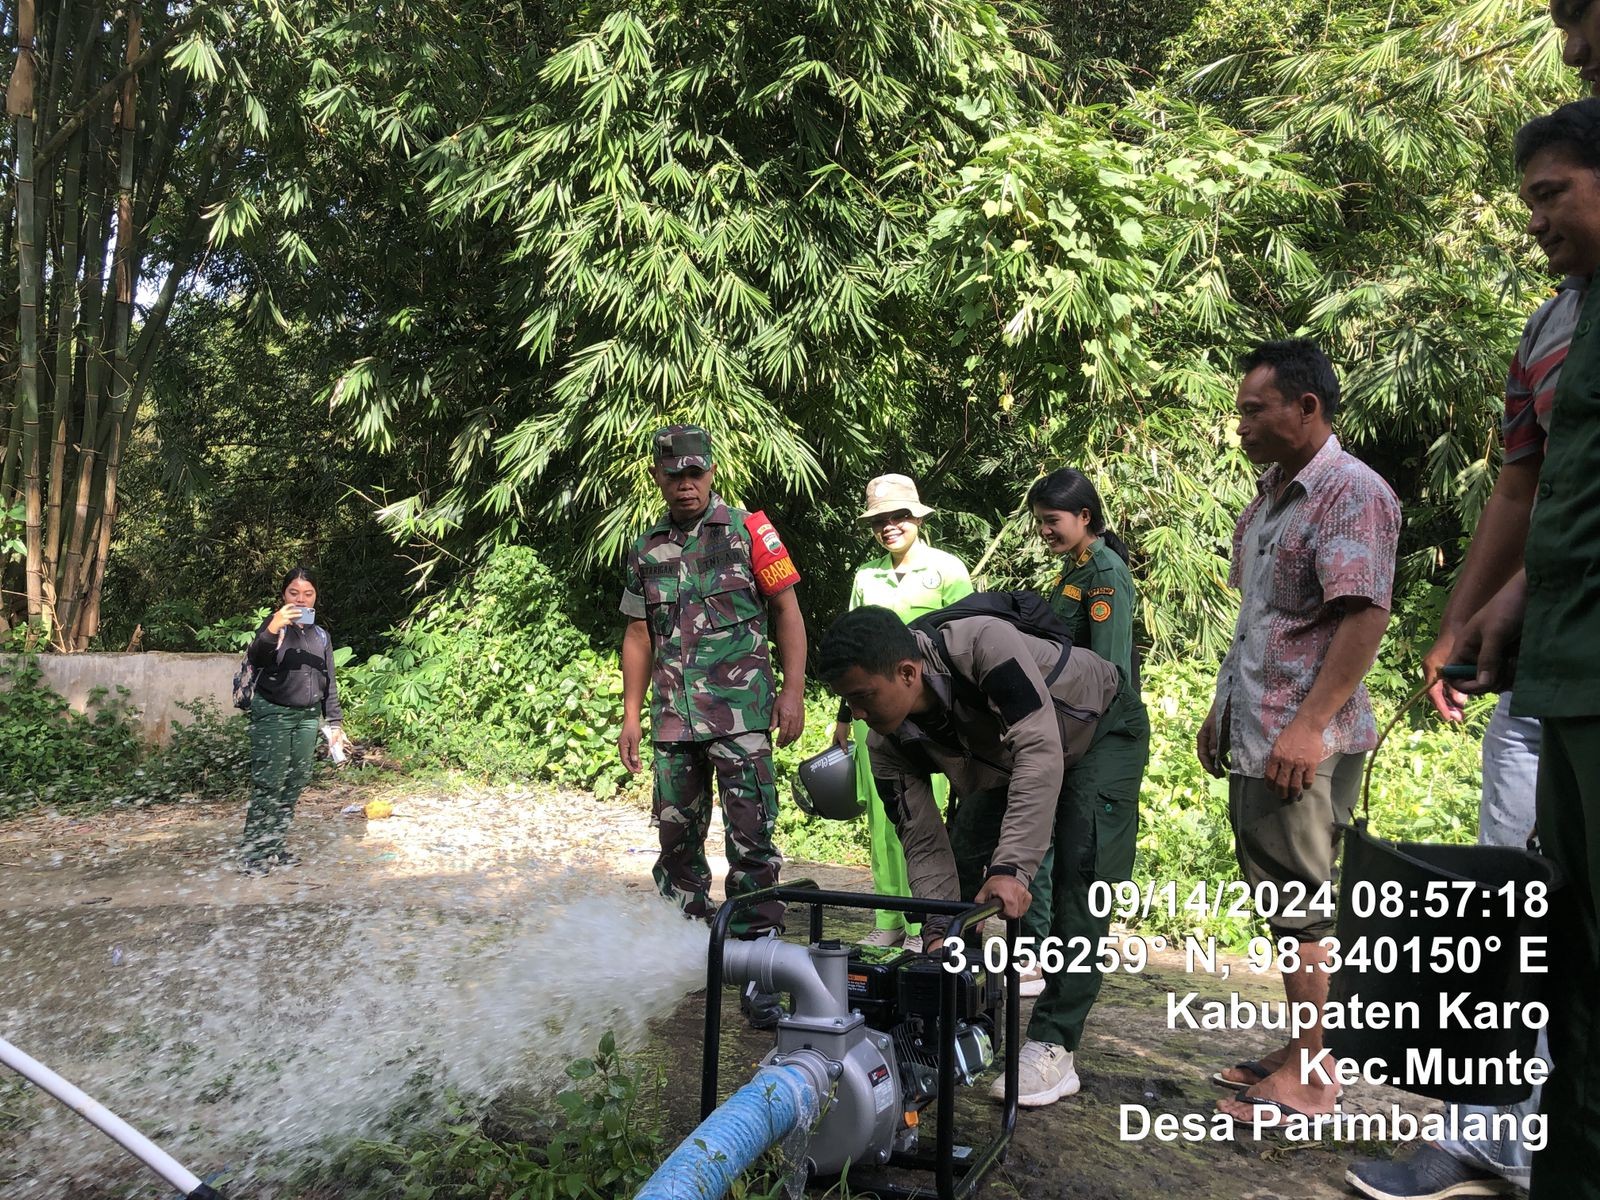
(308, 616)
(1462, 671)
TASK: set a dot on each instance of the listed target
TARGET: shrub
(601, 1145)
(54, 754)
(493, 676)
(57, 756)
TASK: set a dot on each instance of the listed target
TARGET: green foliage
(1106, 44)
(701, 214)
(12, 523)
(601, 1147)
(58, 757)
(235, 461)
(206, 757)
(53, 754)
(493, 676)
(234, 633)
(1344, 175)
(852, 239)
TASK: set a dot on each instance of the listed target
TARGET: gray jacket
(1005, 729)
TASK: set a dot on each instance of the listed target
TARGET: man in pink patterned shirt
(1291, 725)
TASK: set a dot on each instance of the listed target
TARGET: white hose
(101, 1117)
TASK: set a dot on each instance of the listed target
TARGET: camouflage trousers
(742, 764)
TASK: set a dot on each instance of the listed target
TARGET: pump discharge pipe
(108, 1123)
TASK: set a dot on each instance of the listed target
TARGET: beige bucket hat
(893, 493)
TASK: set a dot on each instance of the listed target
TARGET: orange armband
(775, 570)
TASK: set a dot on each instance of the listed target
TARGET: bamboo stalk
(56, 56)
(84, 56)
(107, 92)
(20, 105)
(122, 269)
(78, 530)
(66, 321)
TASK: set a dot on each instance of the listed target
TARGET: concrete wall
(157, 681)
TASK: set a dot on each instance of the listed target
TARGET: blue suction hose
(731, 1139)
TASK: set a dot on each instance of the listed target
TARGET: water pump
(865, 1025)
(872, 1039)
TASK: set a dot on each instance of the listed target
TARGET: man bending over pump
(1006, 718)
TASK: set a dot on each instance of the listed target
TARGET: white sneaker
(1031, 982)
(1044, 1075)
(884, 937)
(912, 943)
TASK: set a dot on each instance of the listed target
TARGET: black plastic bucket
(1410, 931)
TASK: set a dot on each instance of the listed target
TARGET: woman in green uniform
(912, 578)
(1097, 820)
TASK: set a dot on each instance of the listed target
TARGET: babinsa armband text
(775, 570)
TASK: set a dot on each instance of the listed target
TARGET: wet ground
(131, 955)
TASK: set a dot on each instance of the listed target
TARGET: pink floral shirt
(1332, 535)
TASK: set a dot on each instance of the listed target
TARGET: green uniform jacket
(711, 667)
(1094, 596)
(933, 578)
(1558, 670)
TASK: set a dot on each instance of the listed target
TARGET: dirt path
(78, 897)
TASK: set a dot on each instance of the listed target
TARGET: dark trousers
(1569, 830)
(283, 750)
(1096, 836)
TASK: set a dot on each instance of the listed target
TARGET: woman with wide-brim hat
(911, 578)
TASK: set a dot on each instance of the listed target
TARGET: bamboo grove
(123, 130)
(966, 239)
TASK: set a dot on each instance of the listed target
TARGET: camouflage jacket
(711, 665)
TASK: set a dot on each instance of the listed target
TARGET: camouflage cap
(680, 447)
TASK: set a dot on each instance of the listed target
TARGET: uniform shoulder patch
(1111, 591)
(1072, 591)
(1011, 691)
(1100, 610)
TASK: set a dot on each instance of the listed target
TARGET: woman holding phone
(295, 693)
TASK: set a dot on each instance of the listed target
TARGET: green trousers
(1096, 836)
(1568, 798)
(283, 749)
(888, 856)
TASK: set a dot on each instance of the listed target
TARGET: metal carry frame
(950, 1184)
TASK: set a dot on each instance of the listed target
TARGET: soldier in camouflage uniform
(702, 585)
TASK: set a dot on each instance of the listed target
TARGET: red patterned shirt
(1536, 369)
(1332, 535)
